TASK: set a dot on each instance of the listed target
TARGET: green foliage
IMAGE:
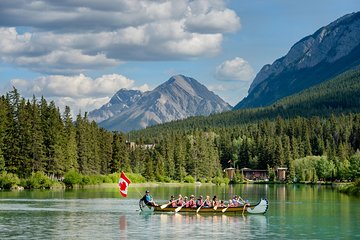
(39, 180)
(353, 189)
(220, 180)
(8, 180)
(72, 177)
(314, 168)
(322, 121)
(135, 177)
(189, 179)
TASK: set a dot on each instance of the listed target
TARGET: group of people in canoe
(190, 202)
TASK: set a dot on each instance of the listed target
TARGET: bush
(217, 180)
(8, 180)
(39, 180)
(135, 177)
(189, 179)
(107, 179)
(226, 180)
(72, 177)
(352, 189)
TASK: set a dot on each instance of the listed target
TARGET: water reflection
(123, 227)
(166, 225)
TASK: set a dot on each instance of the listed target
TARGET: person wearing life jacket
(199, 201)
(207, 202)
(185, 200)
(172, 201)
(191, 203)
(180, 201)
(148, 200)
(235, 201)
(214, 202)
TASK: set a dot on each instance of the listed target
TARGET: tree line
(36, 137)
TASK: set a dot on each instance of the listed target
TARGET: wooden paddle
(224, 210)
(200, 207)
(215, 207)
(165, 205)
(179, 208)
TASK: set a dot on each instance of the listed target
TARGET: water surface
(295, 212)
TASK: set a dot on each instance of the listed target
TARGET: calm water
(295, 212)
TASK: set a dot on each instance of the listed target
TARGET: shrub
(217, 180)
(135, 177)
(189, 179)
(8, 180)
(39, 180)
(72, 177)
(107, 179)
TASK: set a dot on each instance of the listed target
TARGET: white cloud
(235, 69)
(80, 92)
(73, 36)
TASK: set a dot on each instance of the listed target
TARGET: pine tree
(37, 148)
(69, 143)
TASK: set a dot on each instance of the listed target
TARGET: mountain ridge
(178, 98)
(331, 50)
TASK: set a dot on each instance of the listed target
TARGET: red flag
(124, 183)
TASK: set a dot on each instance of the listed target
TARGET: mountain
(121, 101)
(328, 52)
(337, 96)
(178, 98)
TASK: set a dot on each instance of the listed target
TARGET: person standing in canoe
(148, 200)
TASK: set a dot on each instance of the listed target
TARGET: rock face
(328, 52)
(121, 101)
(178, 98)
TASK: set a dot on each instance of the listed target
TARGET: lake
(295, 212)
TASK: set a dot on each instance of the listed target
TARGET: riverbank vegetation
(39, 146)
(352, 189)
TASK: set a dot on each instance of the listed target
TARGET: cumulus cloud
(73, 36)
(80, 92)
(235, 69)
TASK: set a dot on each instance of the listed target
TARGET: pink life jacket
(180, 202)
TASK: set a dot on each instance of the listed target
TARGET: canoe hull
(259, 208)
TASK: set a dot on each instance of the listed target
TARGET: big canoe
(259, 208)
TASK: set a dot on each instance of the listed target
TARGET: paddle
(179, 208)
(200, 207)
(215, 207)
(167, 204)
(224, 210)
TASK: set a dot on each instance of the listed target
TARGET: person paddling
(180, 201)
(172, 201)
(191, 203)
(200, 201)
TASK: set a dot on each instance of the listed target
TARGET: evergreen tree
(69, 143)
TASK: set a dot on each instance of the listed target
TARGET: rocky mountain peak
(328, 52)
(178, 98)
(328, 44)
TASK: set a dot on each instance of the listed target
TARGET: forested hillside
(340, 95)
(316, 134)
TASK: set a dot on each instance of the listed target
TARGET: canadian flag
(124, 183)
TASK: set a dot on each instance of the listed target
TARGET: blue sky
(80, 52)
